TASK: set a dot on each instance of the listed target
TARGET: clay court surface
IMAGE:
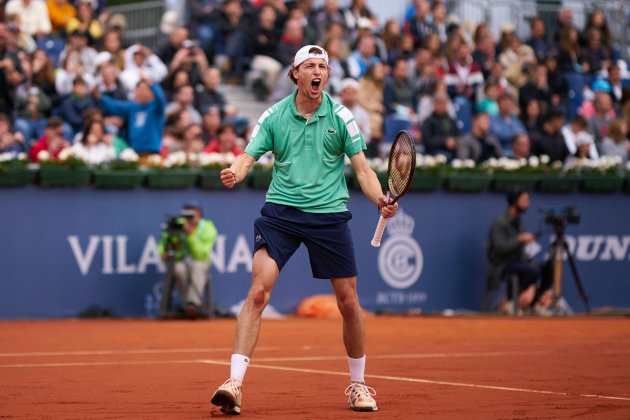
(420, 366)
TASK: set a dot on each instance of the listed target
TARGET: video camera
(570, 215)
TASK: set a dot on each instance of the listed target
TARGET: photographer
(186, 243)
(507, 257)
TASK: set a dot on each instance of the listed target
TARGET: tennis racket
(400, 170)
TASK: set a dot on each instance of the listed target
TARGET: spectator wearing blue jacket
(144, 116)
(505, 125)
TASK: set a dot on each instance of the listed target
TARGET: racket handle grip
(378, 233)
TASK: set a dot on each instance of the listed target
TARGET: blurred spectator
(60, 12)
(599, 88)
(616, 85)
(464, 75)
(86, 21)
(95, 144)
(78, 42)
(563, 23)
(577, 127)
(557, 83)
(549, 140)
(538, 88)
(484, 53)
(538, 39)
(419, 25)
(291, 41)
(33, 109)
(362, 57)
(211, 123)
(112, 43)
(583, 143)
(72, 67)
(595, 56)
(184, 101)
(532, 115)
(570, 58)
(489, 102)
(16, 38)
(204, 25)
(617, 143)
(117, 23)
(329, 13)
(516, 58)
(596, 21)
(144, 116)
(520, 148)
(391, 37)
(399, 95)
(366, 28)
(10, 73)
(169, 47)
(233, 25)
(440, 27)
(193, 139)
(348, 98)
(370, 97)
(479, 145)
(108, 82)
(506, 124)
(604, 114)
(338, 67)
(141, 62)
(10, 141)
(439, 130)
(356, 13)
(265, 65)
(425, 72)
(335, 30)
(34, 19)
(208, 94)
(73, 106)
(52, 141)
(425, 105)
(302, 11)
(225, 141)
(43, 73)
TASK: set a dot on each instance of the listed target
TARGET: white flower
(469, 163)
(493, 163)
(544, 159)
(129, 155)
(441, 159)
(155, 160)
(556, 164)
(628, 166)
(522, 162)
(457, 164)
(43, 155)
(534, 162)
(64, 154)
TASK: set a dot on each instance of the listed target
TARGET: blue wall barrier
(63, 250)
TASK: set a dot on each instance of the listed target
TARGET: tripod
(560, 248)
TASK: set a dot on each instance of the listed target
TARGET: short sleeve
(261, 138)
(350, 132)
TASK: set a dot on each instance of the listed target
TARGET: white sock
(238, 366)
(357, 369)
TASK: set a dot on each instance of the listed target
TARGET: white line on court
(112, 352)
(404, 356)
(321, 372)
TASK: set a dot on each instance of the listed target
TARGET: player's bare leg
(360, 396)
(264, 275)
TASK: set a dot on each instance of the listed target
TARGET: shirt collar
(320, 112)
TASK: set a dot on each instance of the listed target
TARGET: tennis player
(309, 134)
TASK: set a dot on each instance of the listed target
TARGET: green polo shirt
(309, 155)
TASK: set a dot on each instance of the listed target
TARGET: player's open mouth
(315, 85)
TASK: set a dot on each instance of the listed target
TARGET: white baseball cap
(303, 54)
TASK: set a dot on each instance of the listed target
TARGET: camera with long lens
(175, 243)
(570, 215)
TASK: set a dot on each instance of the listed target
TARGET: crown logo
(401, 224)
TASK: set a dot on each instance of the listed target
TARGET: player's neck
(306, 106)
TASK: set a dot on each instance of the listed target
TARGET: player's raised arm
(370, 184)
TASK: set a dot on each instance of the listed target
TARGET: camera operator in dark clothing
(507, 257)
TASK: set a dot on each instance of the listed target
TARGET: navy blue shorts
(281, 229)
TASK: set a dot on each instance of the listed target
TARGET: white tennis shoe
(228, 397)
(361, 397)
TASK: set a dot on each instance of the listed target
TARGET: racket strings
(401, 166)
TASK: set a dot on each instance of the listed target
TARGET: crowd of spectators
(463, 93)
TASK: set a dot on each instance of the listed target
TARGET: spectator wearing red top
(52, 141)
(225, 141)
